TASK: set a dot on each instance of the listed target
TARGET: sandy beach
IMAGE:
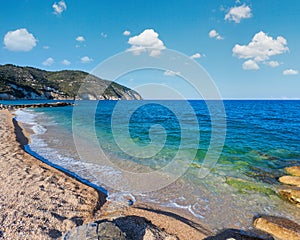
(38, 201)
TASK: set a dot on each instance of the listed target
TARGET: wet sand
(38, 201)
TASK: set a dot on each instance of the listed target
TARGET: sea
(160, 152)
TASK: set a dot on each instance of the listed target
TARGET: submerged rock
(295, 170)
(245, 186)
(290, 180)
(280, 228)
(292, 194)
(264, 175)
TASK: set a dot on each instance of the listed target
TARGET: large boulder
(95, 231)
(292, 194)
(139, 228)
(235, 234)
(295, 170)
(290, 180)
(278, 227)
(122, 228)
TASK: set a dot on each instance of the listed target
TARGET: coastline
(42, 192)
(37, 200)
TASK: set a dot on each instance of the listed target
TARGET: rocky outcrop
(280, 228)
(32, 83)
(295, 170)
(139, 228)
(288, 192)
(290, 180)
(123, 228)
(292, 194)
(94, 231)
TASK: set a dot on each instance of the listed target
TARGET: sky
(250, 48)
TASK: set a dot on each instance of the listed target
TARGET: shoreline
(28, 177)
(174, 222)
(37, 200)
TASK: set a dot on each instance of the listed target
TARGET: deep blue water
(262, 137)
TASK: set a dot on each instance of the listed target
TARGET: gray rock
(139, 228)
(95, 231)
(86, 231)
(123, 228)
(109, 231)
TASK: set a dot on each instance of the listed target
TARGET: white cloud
(46, 47)
(48, 62)
(19, 40)
(261, 48)
(236, 14)
(250, 65)
(214, 34)
(86, 59)
(104, 35)
(126, 33)
(59, 7)
(171, 73)
(65, 62)
(146, 41)
(290, 72)
(196, 55)
(272, 64)
(80, 39)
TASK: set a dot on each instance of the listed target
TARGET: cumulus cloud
(250, 65)
(126, 33)
(48, 62)
(236, 14)
(104, 35)
(146, 41)
(261, 48)
(19, 40)
(272, 64)
(214, 34)
(65, 62)
(80, 39)
(59, 7)
(86, 59)
(196, 55)
(171, 73)
(290, 72)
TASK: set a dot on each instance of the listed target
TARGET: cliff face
(32, 83)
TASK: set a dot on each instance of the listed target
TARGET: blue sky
(250, 48)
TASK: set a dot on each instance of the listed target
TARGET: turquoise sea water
(262, 137)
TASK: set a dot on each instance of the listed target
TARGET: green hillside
(32, 83)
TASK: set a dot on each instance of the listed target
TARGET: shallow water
(262, 137)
